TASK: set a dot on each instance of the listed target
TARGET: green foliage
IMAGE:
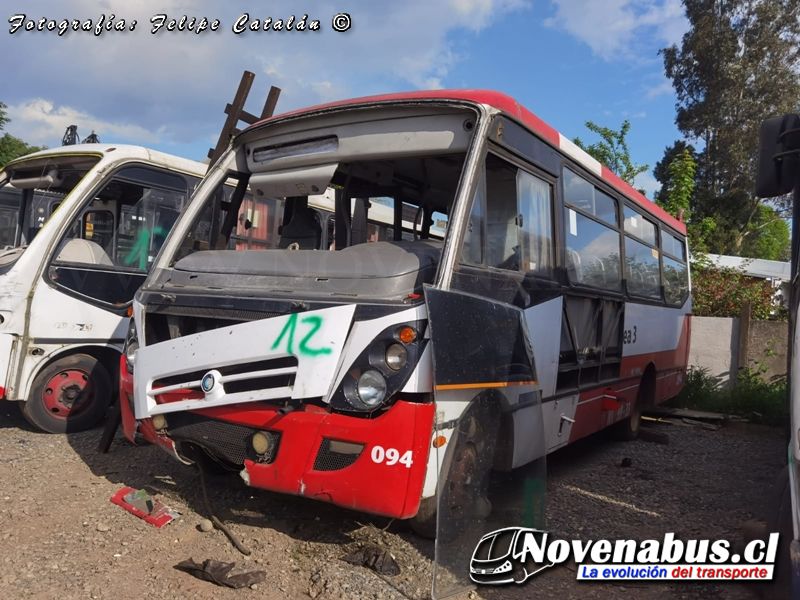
(752, 396)
(3, 116)
(720, 291)
(768, 236)
(10, 146)
(613, 151)
(679, 188)
(736, 66)
(661, 170)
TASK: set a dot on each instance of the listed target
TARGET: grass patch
(752, 396)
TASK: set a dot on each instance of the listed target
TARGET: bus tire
(627, 430)
(424, 522)
(475, 435)
(779, 520)
(68, 395)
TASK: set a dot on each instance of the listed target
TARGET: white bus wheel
(68, 395)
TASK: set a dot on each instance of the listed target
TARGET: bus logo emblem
(207, 384)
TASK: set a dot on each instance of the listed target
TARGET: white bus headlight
(130, 352)
(371, 388)
(396, 357)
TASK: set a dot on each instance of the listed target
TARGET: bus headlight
(373, 379)
(130, 347)
(371, 388)
(396, 357)
(130, 352)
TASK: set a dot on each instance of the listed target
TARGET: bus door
(487, 386)
(486, 393)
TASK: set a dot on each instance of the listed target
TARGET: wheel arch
(107, 355)
(647, 386)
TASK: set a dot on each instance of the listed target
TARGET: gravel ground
(60, 537)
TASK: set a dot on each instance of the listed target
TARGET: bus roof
(509, 106)
(112, 151)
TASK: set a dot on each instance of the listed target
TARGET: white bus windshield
(32, 190)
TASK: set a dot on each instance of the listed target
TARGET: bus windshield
(377, 231)
(30, 192)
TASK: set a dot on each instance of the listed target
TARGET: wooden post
(237, 113)
(744, 334)
(233, 118)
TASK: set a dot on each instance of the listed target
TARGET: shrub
(720, 291)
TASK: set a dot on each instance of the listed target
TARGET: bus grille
(330, 460)
(228, 441)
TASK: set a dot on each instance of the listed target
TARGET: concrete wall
(715, 346)
(763, 336)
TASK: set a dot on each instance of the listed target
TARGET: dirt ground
(61, 537)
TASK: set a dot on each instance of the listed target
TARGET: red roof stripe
(507, 105)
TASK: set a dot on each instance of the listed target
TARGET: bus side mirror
(778, 161)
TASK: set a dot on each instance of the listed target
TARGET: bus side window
(502, 236)
(593, 240)
(676, 273)
(536, 228)
(642, 269)
(472, 249)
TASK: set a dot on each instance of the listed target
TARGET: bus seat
(304, 230)
(84, 251)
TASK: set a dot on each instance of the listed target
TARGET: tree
(661, 170)
(769, 236)
(613, 151)
(736, 66)
(676, 194)
(10, 146)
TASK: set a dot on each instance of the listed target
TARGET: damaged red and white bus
(392, 376)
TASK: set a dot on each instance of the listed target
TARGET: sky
(568, 61)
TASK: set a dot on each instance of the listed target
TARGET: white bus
(80, 226)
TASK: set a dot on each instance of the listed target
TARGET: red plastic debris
(159, 516)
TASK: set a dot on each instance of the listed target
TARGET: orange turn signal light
(439, 441)
(406, 335)
(129, 312)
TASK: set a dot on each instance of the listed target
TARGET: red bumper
(130, 428)
(386, 478)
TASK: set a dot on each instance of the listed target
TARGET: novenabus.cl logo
(502, 556)
(515, 554)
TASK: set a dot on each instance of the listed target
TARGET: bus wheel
(70, 394)
(468, 465)
(627, 430)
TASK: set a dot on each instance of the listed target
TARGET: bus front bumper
(385, 477)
